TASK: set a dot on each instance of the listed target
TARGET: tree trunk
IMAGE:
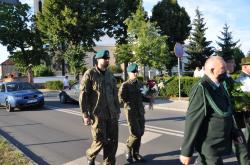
(125, 73)
(63, 61)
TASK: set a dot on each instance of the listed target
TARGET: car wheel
(41, 105)
(62, 99)
(9, 108)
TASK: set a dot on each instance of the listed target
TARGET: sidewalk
(172, 105)
(162, 104)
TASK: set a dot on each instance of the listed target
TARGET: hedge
(42, 70)
(171, 86)
(54, 85)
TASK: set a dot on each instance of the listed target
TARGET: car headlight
(40, 95)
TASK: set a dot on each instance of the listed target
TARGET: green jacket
(98, 94)
(130, 95)
(209, 125)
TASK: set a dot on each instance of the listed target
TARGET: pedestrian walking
(66, 82)
(30, 73)
(240, 149)
(244, 78)
(209, 126)
(100, 108)
(130, 95)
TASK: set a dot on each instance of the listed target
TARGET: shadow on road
(150, 159)
(167, 118)
(20, 125)
(63, 141)
(24, 149)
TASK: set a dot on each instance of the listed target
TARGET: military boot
(138, 158)
(129, 155)
(91, 161)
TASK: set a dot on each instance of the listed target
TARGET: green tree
(248, 54)
(17, 32)
(174, 22)
(226, 44)
(148, 46)
(75, 23)
(123, 55)
(75, 55)
(198, 48)
(116, 12)
(237, 56)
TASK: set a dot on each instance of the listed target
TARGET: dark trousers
(241, 153)
(208, 160)
(105, 136)
(136, 128)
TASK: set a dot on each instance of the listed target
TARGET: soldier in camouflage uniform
(100, 107)
(209, 127)
(130, 95)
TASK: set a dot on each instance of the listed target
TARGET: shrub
(115, 69)
(234, 76)
(71, 82)
(54, 85)
(41, 70)
(140, 78)
(171, 86)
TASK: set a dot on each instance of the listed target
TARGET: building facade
(7, 68)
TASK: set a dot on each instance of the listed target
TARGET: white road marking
(151, 133)
(149, 136)
(147, 127)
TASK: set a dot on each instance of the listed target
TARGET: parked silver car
(70, 94)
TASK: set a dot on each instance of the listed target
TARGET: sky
(215, 13)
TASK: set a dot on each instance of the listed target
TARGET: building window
(40, 5)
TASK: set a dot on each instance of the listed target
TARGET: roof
(7, 62)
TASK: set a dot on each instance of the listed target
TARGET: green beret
(102, 53)
(245, 61)
(132, 68)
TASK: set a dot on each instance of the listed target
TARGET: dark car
(19, 95)
(70, 94)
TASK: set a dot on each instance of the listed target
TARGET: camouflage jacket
(130, 95)
(98, 94)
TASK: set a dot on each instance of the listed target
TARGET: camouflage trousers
(105, 136)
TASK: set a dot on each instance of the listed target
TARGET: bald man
(209, 125)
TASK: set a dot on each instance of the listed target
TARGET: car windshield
(11, 87)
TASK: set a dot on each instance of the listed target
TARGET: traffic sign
(178, 50)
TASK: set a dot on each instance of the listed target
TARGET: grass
(9, 155)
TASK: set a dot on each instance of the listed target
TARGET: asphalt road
(55, 135)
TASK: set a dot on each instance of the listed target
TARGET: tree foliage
(147, 45)
(237, 56)
(174, 22)
(248, 54)
(198, 47)
(75, 55)
(116, 12)
(70, 24)
(19, 34)
(226, 44)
